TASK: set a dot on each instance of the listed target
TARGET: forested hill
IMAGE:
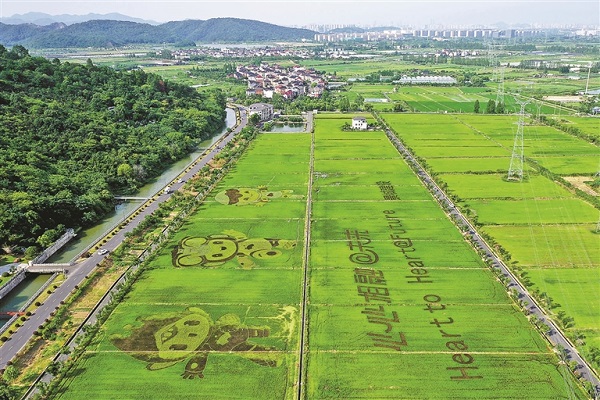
(72, 135)
(234, 30)
(106, 33)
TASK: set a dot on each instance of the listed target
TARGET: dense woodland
(73, 135)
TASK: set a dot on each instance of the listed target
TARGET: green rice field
(397, 306)
(217, 314)
(441, 99)
(587, 125)
(547, 230)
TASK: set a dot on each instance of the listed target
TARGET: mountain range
(38, 18)
(112, 33)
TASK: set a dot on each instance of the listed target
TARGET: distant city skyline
(401, 13)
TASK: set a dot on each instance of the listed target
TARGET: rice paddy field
(217, 314)
(440, 99)
(589, 126)
(547, 229)
(397, 303)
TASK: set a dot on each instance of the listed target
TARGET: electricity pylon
(515, 170)
(500, 91)
(492, 62)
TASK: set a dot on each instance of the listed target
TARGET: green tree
(500, 108)
(491, 107)
(358, 102)
(476, 107)
(344, 104)
(7, 392)
(124, 170)
(254, 119)
(10, 373)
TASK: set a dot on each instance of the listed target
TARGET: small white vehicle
(102, 252)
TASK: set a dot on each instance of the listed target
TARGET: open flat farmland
(544, 227)
(442, 137)
(457, 99)
(217, 314)
(587, 125)
(399, 305)
(558, 151)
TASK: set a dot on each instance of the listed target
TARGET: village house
(359, 123)
(264, 111)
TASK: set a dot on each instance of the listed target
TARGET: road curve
(555, 336)
(77, 273)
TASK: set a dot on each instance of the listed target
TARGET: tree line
(72, 135)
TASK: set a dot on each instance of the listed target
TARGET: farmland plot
(400, 306)
(216, 315)
(543, 226)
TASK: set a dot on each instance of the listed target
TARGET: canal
(21, 293)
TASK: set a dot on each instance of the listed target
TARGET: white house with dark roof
(264, 111)
(359, 123)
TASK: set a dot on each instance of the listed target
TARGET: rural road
(303, 347)
(77, 273)
(555, 335)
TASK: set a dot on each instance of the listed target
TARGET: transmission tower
(539, 110)
(587, 83)
(500, 92)
(492, 61)
(515, 170)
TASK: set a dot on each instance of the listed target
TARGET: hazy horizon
(365, 13)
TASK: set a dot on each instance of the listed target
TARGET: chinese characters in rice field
(371, 285)
(463, 369)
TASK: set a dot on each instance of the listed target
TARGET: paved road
(77, 273)
(555, 335)
(309, 121)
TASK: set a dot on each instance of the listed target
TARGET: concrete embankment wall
(10, 285)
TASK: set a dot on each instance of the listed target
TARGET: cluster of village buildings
(267, 80)
(241, 52)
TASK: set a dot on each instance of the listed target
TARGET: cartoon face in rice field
(163, 342)
(257, 196)
(216, 250)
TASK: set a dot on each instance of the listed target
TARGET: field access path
(555, 336)
(303, 347)
(78, 272)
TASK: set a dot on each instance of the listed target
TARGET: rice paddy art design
(163, 341)
(216, 250)
(253, 196)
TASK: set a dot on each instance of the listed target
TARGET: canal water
(290, 127)
(88, 236)
(21, 293)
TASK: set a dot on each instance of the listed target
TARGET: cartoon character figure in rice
(164, 341)
(256, 196)
(216, 250)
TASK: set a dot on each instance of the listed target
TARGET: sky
(414, 13)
